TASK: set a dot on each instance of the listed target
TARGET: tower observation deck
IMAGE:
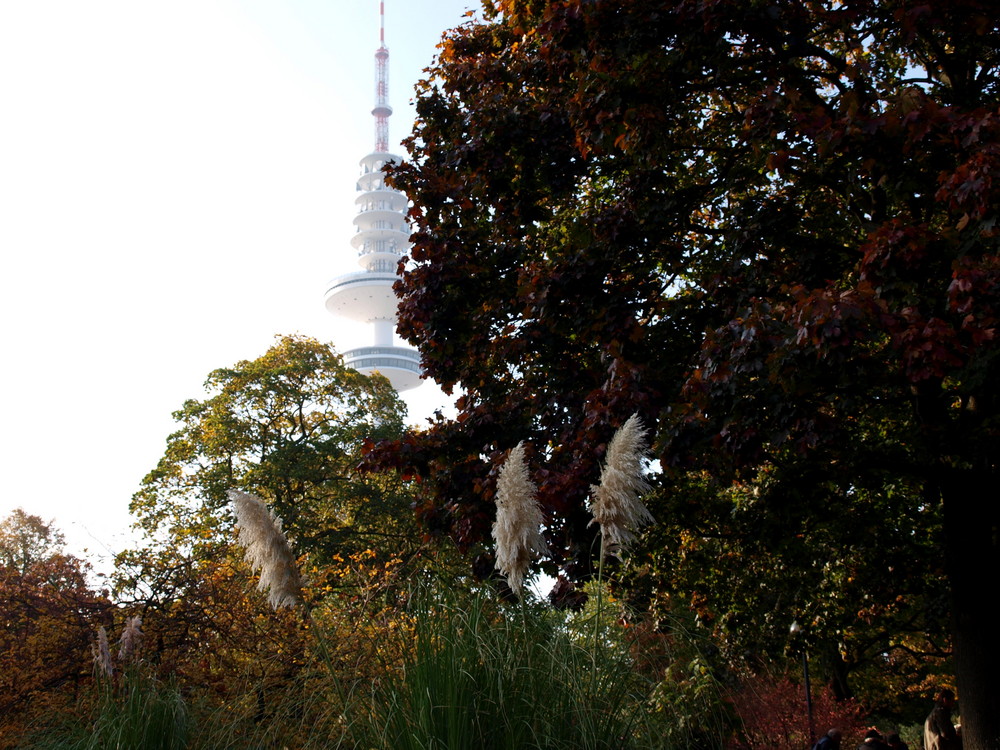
(381, 238)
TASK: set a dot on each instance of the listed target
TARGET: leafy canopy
(770, 229)
(289, 427)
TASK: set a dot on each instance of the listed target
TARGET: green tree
(853, 561)
(767, 227)
(288, 426)
(26, 540)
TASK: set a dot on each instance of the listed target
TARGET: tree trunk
(971, 558)
(839, 674)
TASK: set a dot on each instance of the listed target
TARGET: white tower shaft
(382, 237)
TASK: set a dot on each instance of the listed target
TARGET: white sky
(176, 187)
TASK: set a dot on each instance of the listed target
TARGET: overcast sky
(176, 188)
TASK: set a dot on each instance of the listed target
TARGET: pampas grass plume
(131, 638)
(267, 549)
(102, 653)
(517, 529)
(615, 503)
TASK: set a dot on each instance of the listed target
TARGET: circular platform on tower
(366, 295)
(399, 364)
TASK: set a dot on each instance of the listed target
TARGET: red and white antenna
(382, 109)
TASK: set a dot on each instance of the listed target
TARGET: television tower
(381, 237)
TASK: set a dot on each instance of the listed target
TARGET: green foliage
(689, 704)
(133, 711)
(854, 565)
(288, 427)
(912, 735)
(481, 675)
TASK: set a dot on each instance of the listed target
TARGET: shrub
(772, 712)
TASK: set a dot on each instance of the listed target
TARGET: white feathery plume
(517, 529)
(267, 549)
(615, 504)
(128, 644)
(102, 653)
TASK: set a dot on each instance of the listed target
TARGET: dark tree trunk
(966, 478)
(971, 558)
(839, 674)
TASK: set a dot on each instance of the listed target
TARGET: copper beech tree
(767, 227)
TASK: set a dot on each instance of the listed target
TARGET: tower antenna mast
(382, 109)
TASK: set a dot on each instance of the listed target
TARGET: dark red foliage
(768, 228)
(773, 713)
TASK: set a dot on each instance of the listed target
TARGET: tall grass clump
(460, 667)
(304, 714)
(478, 675)
(128, 708)
(132, 711)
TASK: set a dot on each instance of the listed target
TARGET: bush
(772, 712)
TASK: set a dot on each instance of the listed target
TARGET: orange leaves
(49, 616)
